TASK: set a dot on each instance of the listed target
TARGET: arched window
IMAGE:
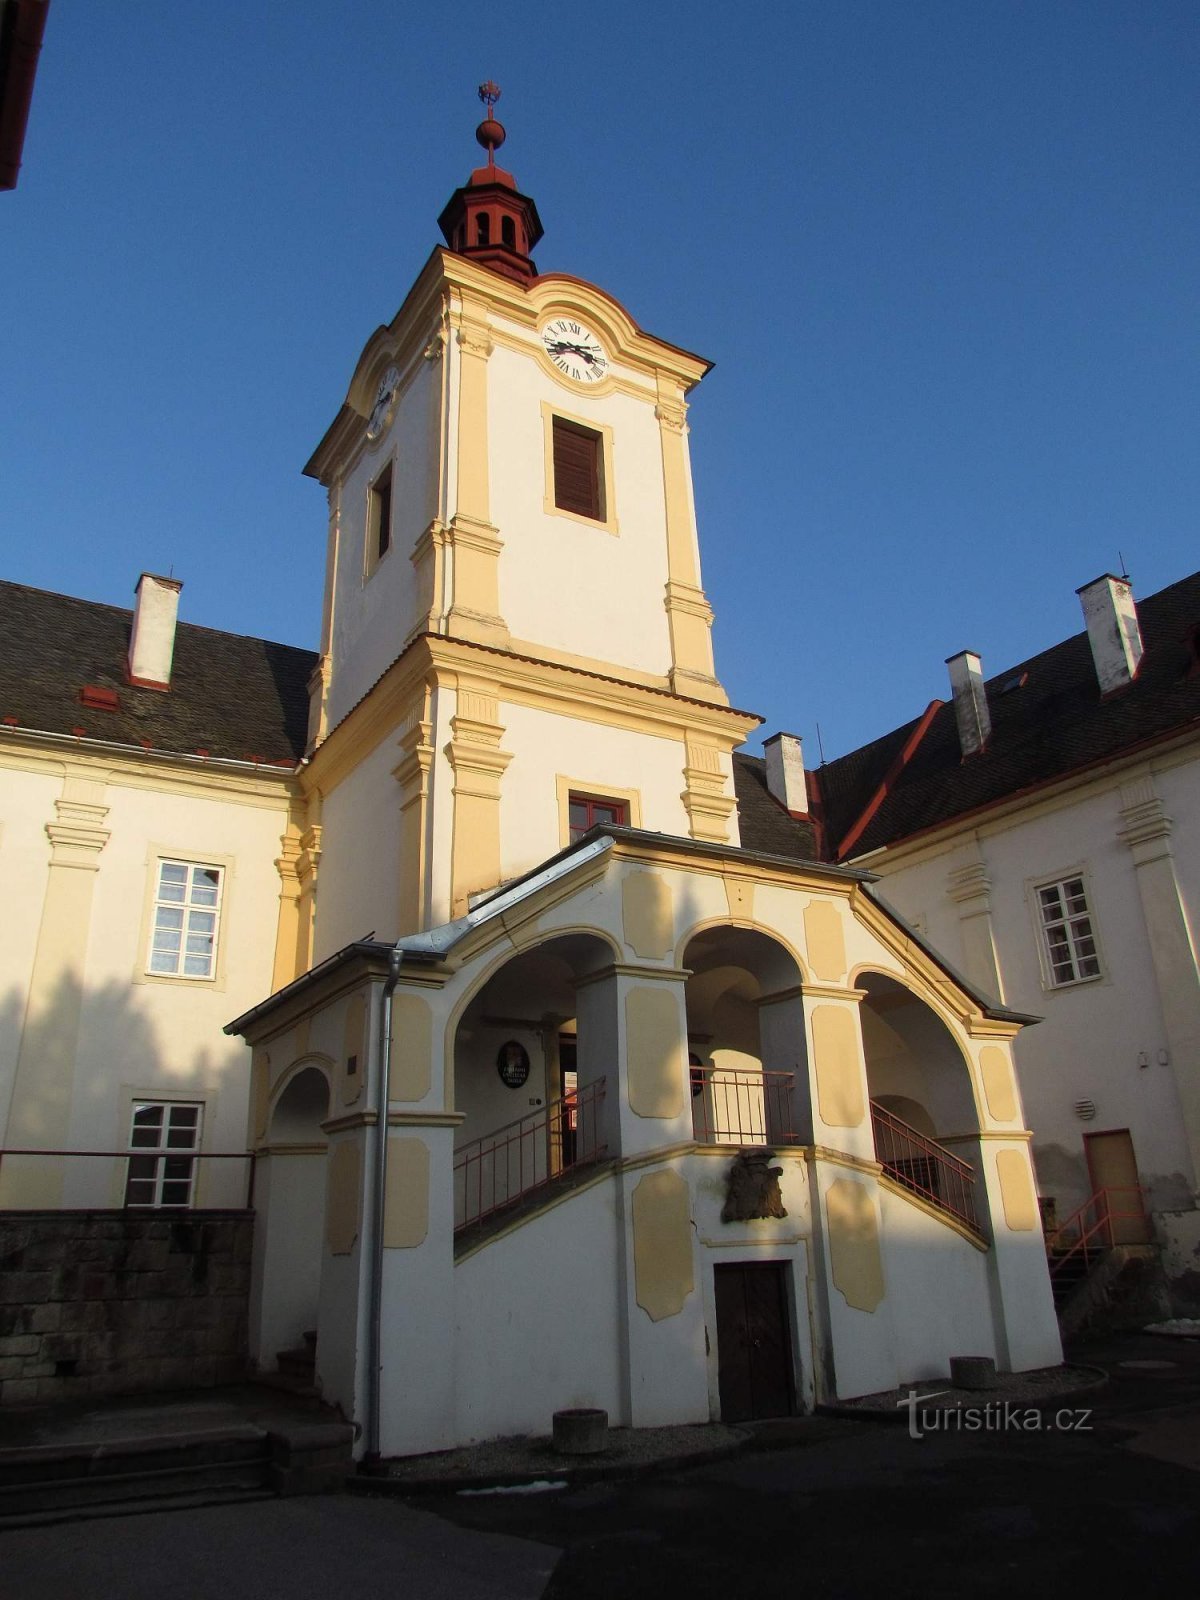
(508, 232)
(483, 228)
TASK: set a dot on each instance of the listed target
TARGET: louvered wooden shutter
(577, 470)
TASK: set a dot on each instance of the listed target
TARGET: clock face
(385, 401)
(575, 350)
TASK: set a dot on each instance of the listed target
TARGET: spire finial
(490, 133)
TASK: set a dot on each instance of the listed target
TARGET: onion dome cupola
(488, 219)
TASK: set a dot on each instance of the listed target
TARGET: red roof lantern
(488, 219)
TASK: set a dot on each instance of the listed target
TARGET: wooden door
(1113, 1166)
(754, 1343)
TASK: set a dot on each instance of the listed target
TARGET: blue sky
(943, 253)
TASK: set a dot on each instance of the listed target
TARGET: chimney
(152, 642)
(785, 771)
(970, 701)
(1113, 631)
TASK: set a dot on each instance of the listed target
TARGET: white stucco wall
(139, 1035)
(375, 609)
(563, 582)
(599, 760)
(26, 805)
(1092, 1034)
(937, 1302)
(537, 1326)
(359, 885)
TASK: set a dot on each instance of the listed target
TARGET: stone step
(42, 1484)
(56, 1481)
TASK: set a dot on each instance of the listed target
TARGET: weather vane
(490, 133)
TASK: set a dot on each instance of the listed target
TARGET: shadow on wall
(72, 1072)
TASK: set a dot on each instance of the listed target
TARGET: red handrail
(747, 1108)
(924, 1167)
(1088, 1230)
(510, 1162)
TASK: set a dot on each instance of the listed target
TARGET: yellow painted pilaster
(706, 797)
(689, 614)
(479, 763)
(475, 609)
(412, 774)
(44, 1082)
(429, 568)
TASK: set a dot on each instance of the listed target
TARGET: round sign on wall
(512, 1063)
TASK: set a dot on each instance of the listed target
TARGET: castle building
(1042, 827)
(626, 1100)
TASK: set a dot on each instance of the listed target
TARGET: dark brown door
(754, 1344)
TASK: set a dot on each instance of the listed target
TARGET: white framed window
(185, 920)
(163, 1140)
(1068, 931)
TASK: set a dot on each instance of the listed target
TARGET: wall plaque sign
(512, 1063)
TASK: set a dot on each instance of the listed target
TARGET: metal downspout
(381, 1144)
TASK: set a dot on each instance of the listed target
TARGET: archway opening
(923, 1111)
(746, 1040)
(533, 1062)
(290, 1226)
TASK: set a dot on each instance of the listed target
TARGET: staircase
(1108, 1238)
(296, 1368)
(122, 1455)
(59, 1483)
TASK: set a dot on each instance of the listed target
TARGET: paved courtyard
(838, 1508)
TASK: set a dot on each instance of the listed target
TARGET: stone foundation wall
(113, 1302)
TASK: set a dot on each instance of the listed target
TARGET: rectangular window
(1070, 941)
(162, 1143)
(587, 811)
(380, 517)
(578, 469)
(187, 908)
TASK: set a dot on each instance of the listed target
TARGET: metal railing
(153, 1180)
(924, 1167)
(1088, 1233)
(511, 1162)
(730, 1107)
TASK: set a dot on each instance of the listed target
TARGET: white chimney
(152, 642)
(970, 701)
(1113, 631)
(785, 771)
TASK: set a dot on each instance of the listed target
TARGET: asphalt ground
(1104, 1499)
(1102, 1503)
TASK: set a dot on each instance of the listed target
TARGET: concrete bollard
(973, 1372)
(582, 1432)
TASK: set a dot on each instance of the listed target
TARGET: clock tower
(515, 636)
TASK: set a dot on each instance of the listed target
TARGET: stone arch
(750, 1079)
(913, 1052)
(500, 960)
(293, 1106)
(289, 1229)
(773, 934)
(527, 1007)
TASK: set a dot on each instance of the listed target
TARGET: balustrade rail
(730, 1107)
(158, 1180)
(509, 1163)
(924, 1167)
(1111, 1216)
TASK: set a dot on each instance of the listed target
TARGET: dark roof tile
(1054, 723)
(764, 824)
(231, 697)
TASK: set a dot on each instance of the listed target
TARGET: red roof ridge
(893, 772)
